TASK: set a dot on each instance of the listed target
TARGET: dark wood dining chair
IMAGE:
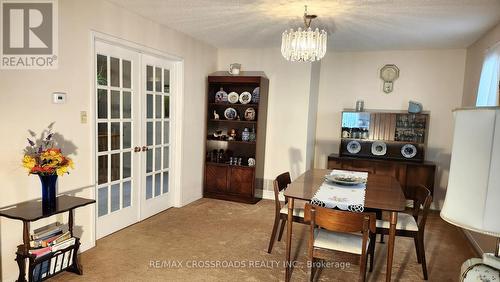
(412, 225)
(340, 236)
(281, 212)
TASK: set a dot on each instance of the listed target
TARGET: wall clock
(389, 73)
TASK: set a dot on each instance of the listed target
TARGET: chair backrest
(280, 183)
(340, 221)
(421, 197)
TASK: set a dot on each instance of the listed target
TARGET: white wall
(25, 103)
(288, 107)
(432, 77)
(474, 64)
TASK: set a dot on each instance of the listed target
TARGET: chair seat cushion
(344, 242)
(405, 222)
(296, 211)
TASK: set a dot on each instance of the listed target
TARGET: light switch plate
(83, 117)
(59, 98)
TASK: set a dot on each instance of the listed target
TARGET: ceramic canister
(245, 135)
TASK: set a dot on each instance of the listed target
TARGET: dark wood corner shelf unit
(32, 211)
(235, 182)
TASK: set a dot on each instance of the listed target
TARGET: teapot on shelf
(234, 69)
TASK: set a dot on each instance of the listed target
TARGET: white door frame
(178, 105)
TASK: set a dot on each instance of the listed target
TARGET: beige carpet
(186, 244)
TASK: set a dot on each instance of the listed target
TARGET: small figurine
(232, 134)
(252, 136)
(213, 156)
(245, 135)
(216, 115)
(220, 156)
(218, 134)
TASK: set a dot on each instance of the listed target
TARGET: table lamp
(473, 195)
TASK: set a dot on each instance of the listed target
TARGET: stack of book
(50, 239)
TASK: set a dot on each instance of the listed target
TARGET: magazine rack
(51, 264)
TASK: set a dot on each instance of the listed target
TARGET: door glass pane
(166, 81)
(115, 167)
(102, 103)
(102, 169)
(149, 106)
(149, 133)
(127, 164)
(126, 65)
(102, 136)
(102, 199)
(115, 135)
(115, 104)
(127, 104)
(102, 70)
(149, 78)
(165, 156)
(166, 131)
(115, 71)
(166, 106)
(127, 135)
(157, 158)
(165, 181)
(158, 106)
(127, 194)
(158, 133)
(158, 80)
(149, 160)
(149, 186)
(115, 197)
(157, 184)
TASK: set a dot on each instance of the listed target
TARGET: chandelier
(304, 45)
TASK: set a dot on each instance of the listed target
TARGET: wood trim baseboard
(269, 195)
(479, 251)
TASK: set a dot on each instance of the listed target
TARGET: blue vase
(48, 192)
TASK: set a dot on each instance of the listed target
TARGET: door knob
(137, 149)
(144, 148)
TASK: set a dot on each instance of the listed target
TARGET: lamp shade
(473, 194)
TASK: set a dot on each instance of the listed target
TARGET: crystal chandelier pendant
(306, 45)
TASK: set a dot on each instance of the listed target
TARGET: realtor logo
(29, 34)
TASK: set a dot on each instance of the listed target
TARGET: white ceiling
(353, 25)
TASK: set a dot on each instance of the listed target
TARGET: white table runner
(344, 197)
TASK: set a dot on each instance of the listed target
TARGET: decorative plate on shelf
(256, 95)
(245, 97)
(220, 96)
(409, 151)
(379, 148)
(230, 113)
(250, 114)
(353, 147)
(233, 97)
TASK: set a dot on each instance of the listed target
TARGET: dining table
(382, 192)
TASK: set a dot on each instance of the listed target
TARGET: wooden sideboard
(407, 173)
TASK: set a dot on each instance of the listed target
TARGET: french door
(132, 136)
(156, 135)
